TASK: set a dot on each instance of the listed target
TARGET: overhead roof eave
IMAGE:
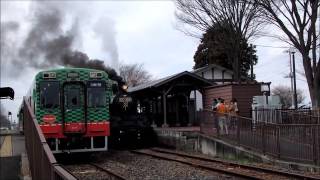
(160, 82)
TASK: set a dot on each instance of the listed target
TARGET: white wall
(227, 75)
(207, 74)
(199, 103)
(217, 73)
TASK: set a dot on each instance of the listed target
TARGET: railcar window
(96, 97)
(49, 94)
(73, 98)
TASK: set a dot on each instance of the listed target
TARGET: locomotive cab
(129, 128)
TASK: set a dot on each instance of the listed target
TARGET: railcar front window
(73, 98)
(49, 94)
(96, 97)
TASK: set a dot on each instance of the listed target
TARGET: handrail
(293, 111)
(43, 164)
(227, 114)
(298, 142)
(266, 110)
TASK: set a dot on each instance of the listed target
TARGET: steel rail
(66, 169)
(267, 170)
(210, 168)
(113, 175)
(251, 175)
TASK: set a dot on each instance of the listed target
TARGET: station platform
(179, 129)
(181, 138)
(13, 160)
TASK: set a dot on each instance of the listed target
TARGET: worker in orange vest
(222, 117)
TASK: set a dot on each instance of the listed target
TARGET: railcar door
(74, 111)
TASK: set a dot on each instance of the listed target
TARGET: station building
(176, 100)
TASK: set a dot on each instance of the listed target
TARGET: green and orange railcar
(71, 106)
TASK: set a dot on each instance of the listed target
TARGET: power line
(273, 75)
(264, 64)
(269, 46)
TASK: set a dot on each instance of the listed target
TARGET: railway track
(92, 171)
(234, 169)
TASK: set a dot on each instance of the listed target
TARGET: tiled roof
(159, 82)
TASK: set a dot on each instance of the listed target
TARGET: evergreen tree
(216, 47)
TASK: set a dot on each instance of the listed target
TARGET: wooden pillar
(188, 103)
(157, 107)
(164, 98)
(177, 112)
(195, 105)
(155, 112)
(212, 71)
(223, 76)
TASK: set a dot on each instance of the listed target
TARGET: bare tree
(285, 94)
(134, 74)
(297, 20)
(242, 18)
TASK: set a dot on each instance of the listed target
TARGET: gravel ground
(134, 166)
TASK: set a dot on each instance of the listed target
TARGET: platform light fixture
(265, 89)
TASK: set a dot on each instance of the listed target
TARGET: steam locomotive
(130, 127)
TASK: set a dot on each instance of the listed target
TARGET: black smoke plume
(48, 44)
(81, 60)
(8, 42)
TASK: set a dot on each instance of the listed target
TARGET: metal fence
(292, 142)
(43, 164)
(286, 116)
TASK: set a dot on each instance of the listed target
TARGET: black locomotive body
(129, 127)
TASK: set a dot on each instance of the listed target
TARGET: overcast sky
(125, 31)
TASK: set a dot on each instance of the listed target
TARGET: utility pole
(318, 100)
(290, 75)
(251, 64)
(291, 80)
(294, 81)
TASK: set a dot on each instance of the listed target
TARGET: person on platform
(233, 107)
(235, 102)
(214, 104)
(232, 111)
(222, 120)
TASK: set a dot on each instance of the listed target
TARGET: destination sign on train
(96, 84)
